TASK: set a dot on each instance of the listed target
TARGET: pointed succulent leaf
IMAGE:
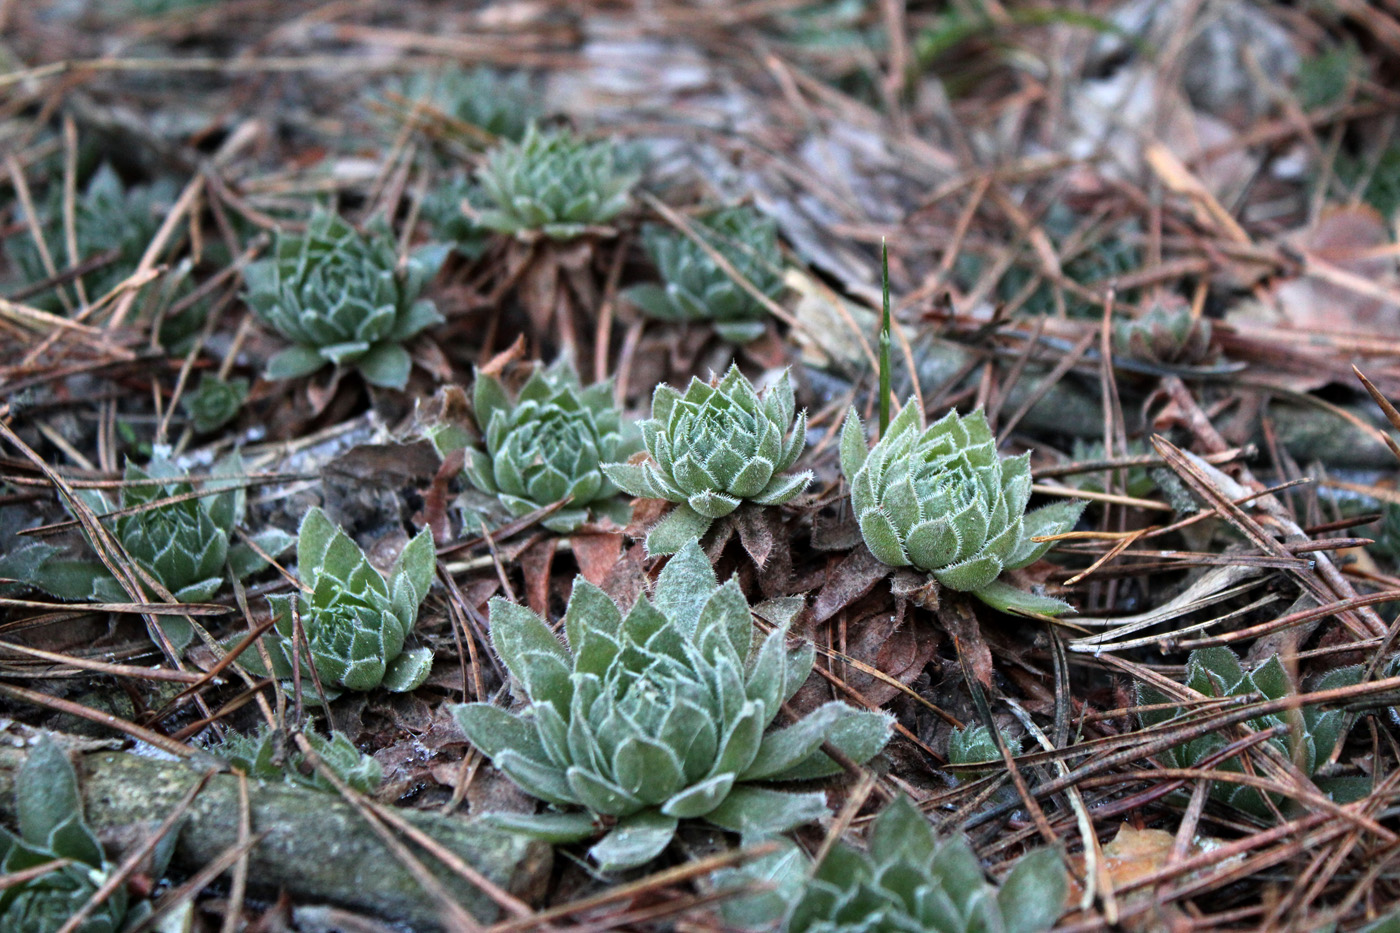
(556, 828)
(681, 525)
(634, 841)
(760, 811)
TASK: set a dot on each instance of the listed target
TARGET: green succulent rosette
(108, 218)
(214, 403)
(1308, 741)
(943, 501)
(554, 183)
(659, 714)
(696, 287)
(976, 745)
(502, 105)
(713, 448)
(355, 619)
(1167, 335)
(343, 299)
(52, 828)
(265, 756)
(909, 880)
(548, 444)
(184, 545)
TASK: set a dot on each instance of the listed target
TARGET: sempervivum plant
(976, 745)
(182, 544)
(1167, 335)
(713, 448)
(697, 289)
(658, 715)
(354, 618)
(910, 880)
(343, 298)
(267, 756)
(108, 218)
(547, 445)
(502, 105)
(1310, 737)
(554, 183)
(944, 502)
(52, 830)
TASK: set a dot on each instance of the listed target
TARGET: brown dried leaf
(597, 554)
(851, 579)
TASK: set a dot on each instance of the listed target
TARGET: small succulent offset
(547, 445)
(906, 880)
(1216, 672)
(1167, 335)
(355, 619)
(184, 545)
(713, 448)
(258, 757)
(452, 209)
(52, 828)
(108, 217)
(214, 402)
(975, 745)
(659, 715)
(697, 289)
(554, 183)
(343, 298)
(943, 501)
(502, 105)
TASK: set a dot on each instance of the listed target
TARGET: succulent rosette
(660, 714)
(343, 299)
(183, 544)
(268, 756)
(355, 619)
(553, 182)
(908, 881)
(1167, 335)
(943, 501)
(713, 448)
(52, 829)
(696, 288)
(546, 445)
(1310, 737)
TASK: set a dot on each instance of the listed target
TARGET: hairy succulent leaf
(52, 827)
(354, 618)
(657, 714)
(554, 183)
(547, 443)
(697, 289)
(1216, 672)
(713, 448)
(266, 757)
(943, 501)
(343, 299)
(452, 210)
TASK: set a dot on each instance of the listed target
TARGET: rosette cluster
(659, 714)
